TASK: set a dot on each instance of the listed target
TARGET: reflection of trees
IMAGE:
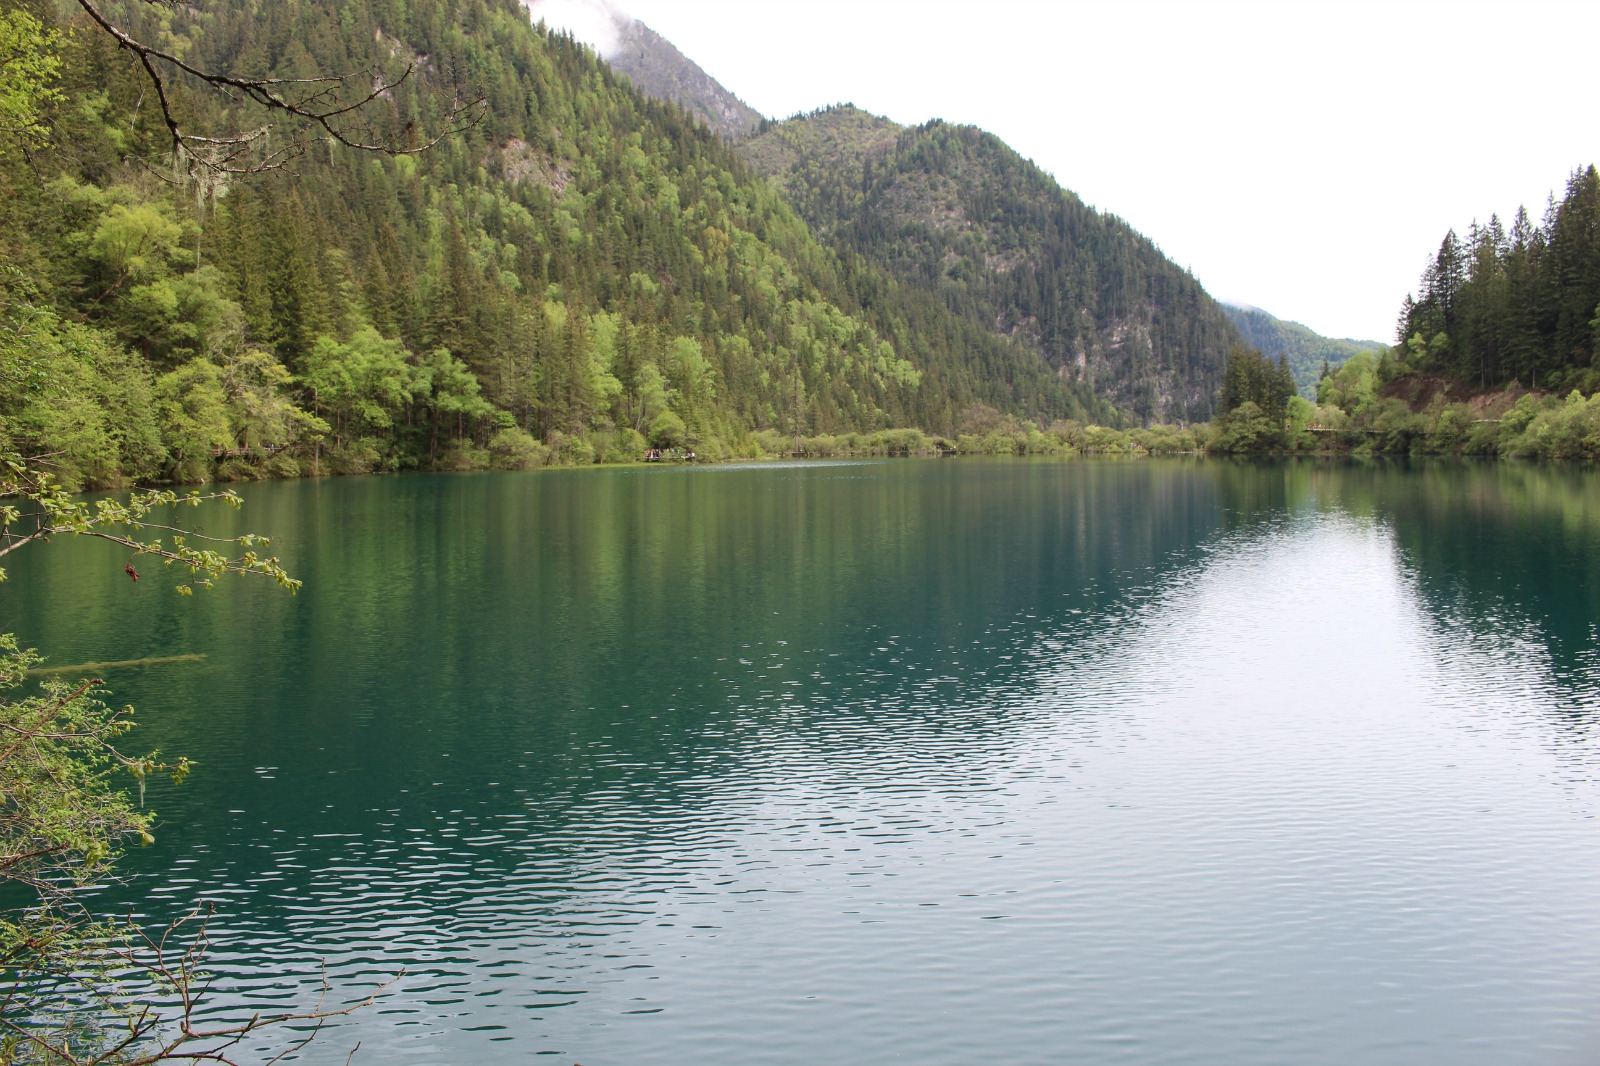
(524, 707)
(521, 708)
(545, 626)
(513, 708)
(1502, 548)
(581, 634)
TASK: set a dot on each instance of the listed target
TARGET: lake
(923, 761)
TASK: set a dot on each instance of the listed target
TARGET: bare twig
(155, 1035)
(318, 101)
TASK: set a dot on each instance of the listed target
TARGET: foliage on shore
(984, 431)
(1383, 406)
(1500, 355)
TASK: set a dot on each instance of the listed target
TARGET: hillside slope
(955, 212)
(1307, 350)
(582, 270)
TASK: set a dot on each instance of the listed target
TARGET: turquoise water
(920, 761)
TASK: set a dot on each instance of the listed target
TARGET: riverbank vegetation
(1376, 404)
(986, 431)
(1499, 355)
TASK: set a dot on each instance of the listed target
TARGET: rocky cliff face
(652, 62)
(954, 210)
(658, 69)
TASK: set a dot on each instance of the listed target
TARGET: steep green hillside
(1308, 351)
(955, 212)
(583, 269)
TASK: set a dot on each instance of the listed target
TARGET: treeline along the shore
(1515, 308)
(1499, 355)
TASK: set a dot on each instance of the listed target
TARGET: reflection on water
(931, 761)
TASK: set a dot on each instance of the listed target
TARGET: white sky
(1305, 157)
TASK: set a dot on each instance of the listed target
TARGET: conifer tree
(1514, 306)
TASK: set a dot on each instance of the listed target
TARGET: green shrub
(1394, 428)
(1449, 430)
(512, 449)
(461, 456)
(1570, 431)
(1244, 429)
(284, 465)
(668, 431)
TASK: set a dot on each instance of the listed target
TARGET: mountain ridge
(654, 64)
(850, 137)
(954, 211)
(659, 69)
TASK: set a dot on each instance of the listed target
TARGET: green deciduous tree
(29, 62)
(362, 386)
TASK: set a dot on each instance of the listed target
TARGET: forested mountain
(954, 212)
(1307, 350)
(582, 269)
(1519, 306)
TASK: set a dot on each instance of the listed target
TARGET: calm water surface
(913, 761)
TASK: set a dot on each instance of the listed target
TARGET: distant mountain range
(953, 211)
(1307, 350)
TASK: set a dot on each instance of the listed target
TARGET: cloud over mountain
(594, 22)
(651, 61)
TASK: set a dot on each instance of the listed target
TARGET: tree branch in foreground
(52, 511)
(168, 966)
(320, 102)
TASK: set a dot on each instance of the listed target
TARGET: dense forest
(1514, 308)
(955, 212)
(1496, 357)
(581, 271)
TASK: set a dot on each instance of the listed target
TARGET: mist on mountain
(654, 65)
